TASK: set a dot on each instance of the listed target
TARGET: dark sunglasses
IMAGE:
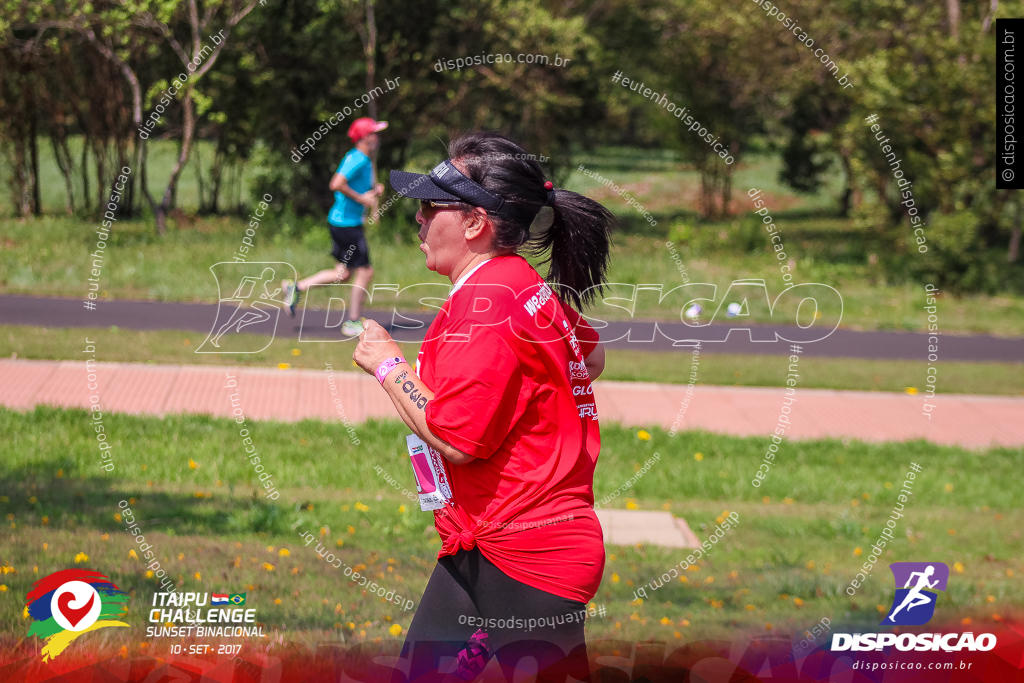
(428, 204)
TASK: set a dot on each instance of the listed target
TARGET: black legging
(466, 592)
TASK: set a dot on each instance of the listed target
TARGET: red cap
(363, 126)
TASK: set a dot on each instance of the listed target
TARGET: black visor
(447, 183)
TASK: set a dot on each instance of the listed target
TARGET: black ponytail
(579, 243)
(578, 235)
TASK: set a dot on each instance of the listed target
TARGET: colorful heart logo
(75, 605)
(70, 603)
(70, 613)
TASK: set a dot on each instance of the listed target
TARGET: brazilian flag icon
(237, 598)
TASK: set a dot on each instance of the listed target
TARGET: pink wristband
(387, 366)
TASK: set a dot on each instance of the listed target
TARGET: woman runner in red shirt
(502, 390)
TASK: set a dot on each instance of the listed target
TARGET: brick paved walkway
(289, 395)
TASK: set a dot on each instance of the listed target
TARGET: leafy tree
(931, 92)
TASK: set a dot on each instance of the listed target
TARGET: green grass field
(47, 256)
(176, 347)
(800, 539)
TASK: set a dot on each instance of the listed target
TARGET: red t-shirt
(504, 358)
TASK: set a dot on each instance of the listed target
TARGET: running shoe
(352, 328)
(291, 296)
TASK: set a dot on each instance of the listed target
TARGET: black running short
(467, 592)
(350, 246)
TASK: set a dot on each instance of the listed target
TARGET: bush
(697, 238)
(957, 259)
(749, 235)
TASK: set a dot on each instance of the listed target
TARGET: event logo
(914, 603)
(253, 306)
(187, 614)
(70, 602)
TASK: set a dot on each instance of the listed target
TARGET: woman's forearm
(410, 396)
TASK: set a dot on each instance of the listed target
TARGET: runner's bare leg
(361, 280)
(338, 273)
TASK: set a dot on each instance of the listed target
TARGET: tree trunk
(141, 157)
(199, 28)
(33, 148)
(129, 191)
(851, 197)
(136, 90)
(216, 178)
(99, 150)
(953, 12)
(371, 78)
(370, 54)
(702, 204)
(953, 15)
(62, 155)
(84, 166)
(188, 130)
(727, 192)
(881, 182)
(21, 190)
(199, 181)
(124, 207)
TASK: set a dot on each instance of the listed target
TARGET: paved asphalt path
(640, 335)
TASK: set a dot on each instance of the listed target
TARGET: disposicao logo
(917, 588)
(914, 603)
(68, 603)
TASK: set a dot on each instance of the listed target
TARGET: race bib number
(431, 479)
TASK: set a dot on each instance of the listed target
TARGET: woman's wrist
(386, 366)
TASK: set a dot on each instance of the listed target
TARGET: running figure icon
(253, 306)
(249, 306)
(916, 597)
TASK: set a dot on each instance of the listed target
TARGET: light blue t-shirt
(358, 172)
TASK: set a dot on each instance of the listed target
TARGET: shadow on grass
(810, 213)
(92, 502)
